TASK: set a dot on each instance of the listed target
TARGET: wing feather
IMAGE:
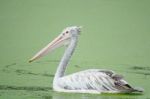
(94, 79)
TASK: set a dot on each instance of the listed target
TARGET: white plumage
(88, 81)
(93, 81)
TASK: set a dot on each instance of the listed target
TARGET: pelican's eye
(67, 32)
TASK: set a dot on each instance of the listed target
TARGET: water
(115, 36)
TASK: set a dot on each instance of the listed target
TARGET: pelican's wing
(95, 79)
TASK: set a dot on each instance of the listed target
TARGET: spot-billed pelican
(87, 81)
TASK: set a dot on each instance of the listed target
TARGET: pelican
(88, 81)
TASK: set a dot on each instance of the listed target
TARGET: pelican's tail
(139, 90)
(133, 90)
(124, 87)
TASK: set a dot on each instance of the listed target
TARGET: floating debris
(47, 97)
(140, 68)
(77, 66)
(7, 66)
(27, 88)
(20, 71)
(143, 73)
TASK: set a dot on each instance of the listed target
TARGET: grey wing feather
(120, 83)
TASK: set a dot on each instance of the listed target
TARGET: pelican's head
(71, 31)
(63, 39)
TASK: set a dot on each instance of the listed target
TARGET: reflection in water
(56, 95)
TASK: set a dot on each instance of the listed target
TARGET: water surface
(115, 36)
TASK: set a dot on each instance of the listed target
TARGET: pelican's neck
(66, 57)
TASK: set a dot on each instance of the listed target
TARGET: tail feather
(133, 90)
(138, 90)
(126, 88)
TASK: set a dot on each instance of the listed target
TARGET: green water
(115, 36)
